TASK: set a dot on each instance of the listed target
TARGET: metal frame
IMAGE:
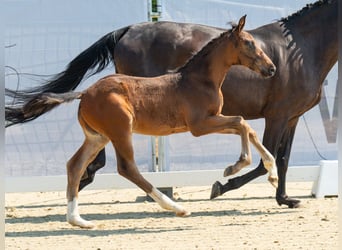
(158, 179)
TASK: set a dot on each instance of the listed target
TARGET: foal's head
(248, 53)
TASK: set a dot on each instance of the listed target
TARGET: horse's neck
(317, 31)
(210, 68)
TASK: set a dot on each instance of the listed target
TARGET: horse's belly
(158, 129)
(158, 123)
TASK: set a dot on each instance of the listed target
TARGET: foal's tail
(37, 106)
(92, 60)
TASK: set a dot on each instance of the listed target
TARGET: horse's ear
(241, 23)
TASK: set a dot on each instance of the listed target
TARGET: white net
(41, 37)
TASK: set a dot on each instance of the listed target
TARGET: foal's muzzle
(269, 72)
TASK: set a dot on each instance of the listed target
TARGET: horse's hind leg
(128, 169)
(89, 174)
(75, 167)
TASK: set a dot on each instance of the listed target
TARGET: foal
(189, 99)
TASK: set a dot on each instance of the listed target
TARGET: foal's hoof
(216, 190)
(183, 213)
(273, 181)
(79, 222)
(228, 171)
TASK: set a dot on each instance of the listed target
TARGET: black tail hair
(92, 60)
(35, 107)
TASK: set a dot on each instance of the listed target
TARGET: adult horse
(189, 99)
(303, 46)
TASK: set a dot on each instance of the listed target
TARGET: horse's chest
(215, 104)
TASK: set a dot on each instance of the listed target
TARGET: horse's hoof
(228, 171)
(294, 204)
(291, 203)
(273, 181)
(216, 190)
(183, 213)
(79, 222)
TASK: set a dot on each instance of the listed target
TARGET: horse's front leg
(282, 163)
(227, 125)
(244, 160)
(267, 158)
(271, 140)
(268, 163)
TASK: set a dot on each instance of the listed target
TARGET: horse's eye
(250, 44)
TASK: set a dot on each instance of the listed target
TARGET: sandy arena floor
(248, 218)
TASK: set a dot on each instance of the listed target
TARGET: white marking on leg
(267, 158)
(74, 218)
(166, 203)
(271, 167)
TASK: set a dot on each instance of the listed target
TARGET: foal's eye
(250, 44)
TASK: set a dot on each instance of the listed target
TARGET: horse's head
(249, 54)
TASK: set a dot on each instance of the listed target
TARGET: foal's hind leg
(128, 169)
(75, 167)
(89, 174)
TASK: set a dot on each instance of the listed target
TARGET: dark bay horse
(303, 46)
(189, 99)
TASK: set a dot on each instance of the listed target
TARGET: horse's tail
(36, 106)
(92, 60)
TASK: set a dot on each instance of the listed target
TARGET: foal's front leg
(266, 156)
(244, 160)
(226, 125)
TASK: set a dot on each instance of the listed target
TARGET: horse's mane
(206, 49)
(308, 7)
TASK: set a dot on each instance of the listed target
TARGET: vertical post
(154, 13)
(2, 134)
(339, 127)
(154, 154)
(163, 159)
(154, 10)
(158, 143)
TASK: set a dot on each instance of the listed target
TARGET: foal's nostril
(272, 70)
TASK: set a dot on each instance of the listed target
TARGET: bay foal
(189, 99)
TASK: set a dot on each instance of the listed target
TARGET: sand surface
(248, 218)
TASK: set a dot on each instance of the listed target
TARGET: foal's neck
(210, 65)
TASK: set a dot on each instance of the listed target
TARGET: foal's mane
(206, 49)
(304, 10)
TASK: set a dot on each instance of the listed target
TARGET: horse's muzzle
(269, 72)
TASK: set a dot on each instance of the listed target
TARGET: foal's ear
(241, 23)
